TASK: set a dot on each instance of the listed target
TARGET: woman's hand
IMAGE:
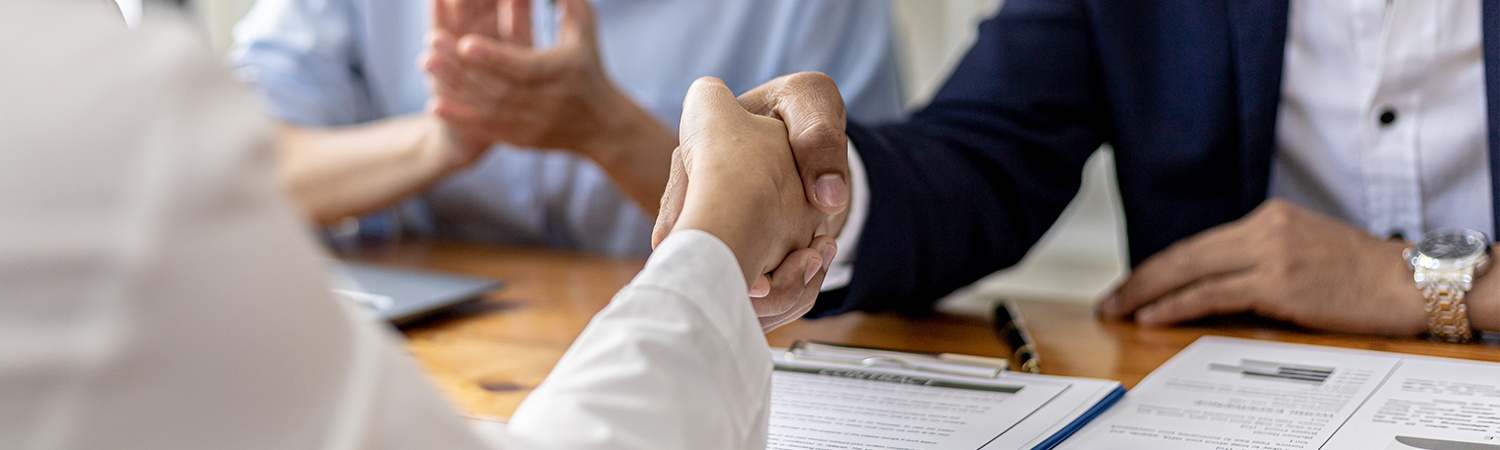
(734, 176)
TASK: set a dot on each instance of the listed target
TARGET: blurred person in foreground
(161, 293)
(1325, 163)
(598, 83)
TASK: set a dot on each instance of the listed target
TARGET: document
(830, 406)
(1233, 394)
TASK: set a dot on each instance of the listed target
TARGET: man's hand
(1281, 262)
(813, 111)
(810, 105)
(734, 176)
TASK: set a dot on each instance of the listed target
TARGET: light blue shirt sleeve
(303, 58)
(851, 41)
(344, 62)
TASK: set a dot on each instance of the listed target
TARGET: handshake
(735, 175)
(766, 173)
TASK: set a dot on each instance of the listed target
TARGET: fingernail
(760, 288)
(830, 190)
(1108, 305)
(828, 251)
(1146, 316)
(813, 266)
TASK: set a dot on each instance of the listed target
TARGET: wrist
(725, 218)
(622, 131)
(441, 149)
(732, 237)
(1484, 302)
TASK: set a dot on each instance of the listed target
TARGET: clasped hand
(734, 176)
(811, 168)
(491, 85)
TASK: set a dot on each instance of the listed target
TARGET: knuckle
(820, 134)
(704, 82)
(811, 80)
(1275, 214)
(1182, 261)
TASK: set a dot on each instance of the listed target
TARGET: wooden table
(487, 355)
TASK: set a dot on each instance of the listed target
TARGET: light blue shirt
(342, 62)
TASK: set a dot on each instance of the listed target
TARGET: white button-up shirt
(1382, 120)
(157, 292)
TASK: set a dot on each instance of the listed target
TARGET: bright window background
(1079, 259)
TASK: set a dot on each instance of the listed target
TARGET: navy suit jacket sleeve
(971, 182)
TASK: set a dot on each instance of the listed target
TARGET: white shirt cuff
(842, 269)
(699, 266)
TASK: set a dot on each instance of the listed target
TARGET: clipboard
(1008, 326)
(938, 363)
(826, 396)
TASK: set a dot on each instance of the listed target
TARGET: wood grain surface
(487, 355)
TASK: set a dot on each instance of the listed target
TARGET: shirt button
(1387, 117)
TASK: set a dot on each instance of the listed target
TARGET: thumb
(672, 200)
(577, 24)
(810, 104)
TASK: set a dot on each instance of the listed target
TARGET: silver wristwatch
(1445, 265)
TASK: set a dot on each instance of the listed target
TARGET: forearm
(937, 220)
(676, 361)
(635, 150)
(334, 173)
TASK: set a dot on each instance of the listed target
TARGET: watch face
(1452, 244)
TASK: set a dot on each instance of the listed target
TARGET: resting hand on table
(1281, 262)
(733, 176)
(491, 85)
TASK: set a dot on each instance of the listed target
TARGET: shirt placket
(1389, 163)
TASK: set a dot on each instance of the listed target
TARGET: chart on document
(1231, 394)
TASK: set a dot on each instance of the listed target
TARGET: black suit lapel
(1492, 93)
(1258, 40)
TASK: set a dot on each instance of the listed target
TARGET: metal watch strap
(1447, 314)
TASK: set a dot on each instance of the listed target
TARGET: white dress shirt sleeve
(677, 361)
(161, 293)
(842, 269)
